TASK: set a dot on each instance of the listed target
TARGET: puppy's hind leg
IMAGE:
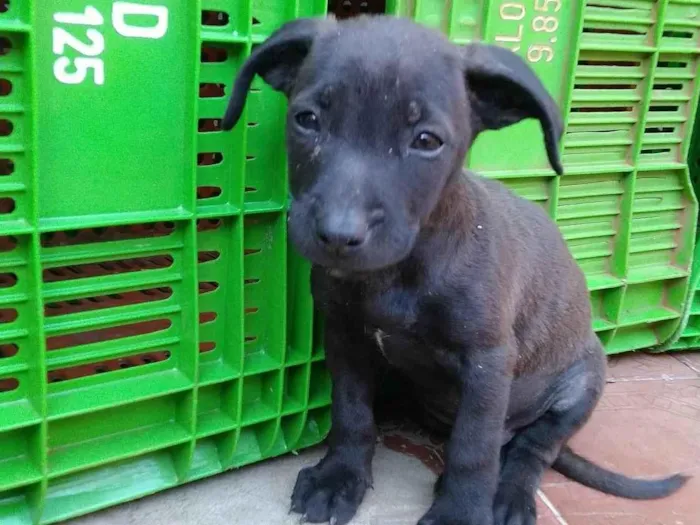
(534, 448)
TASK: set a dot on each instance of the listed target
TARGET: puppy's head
(381, 114)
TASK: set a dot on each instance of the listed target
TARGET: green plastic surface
(688, 336)
(625, 73)
(155, 329)
(155, 326)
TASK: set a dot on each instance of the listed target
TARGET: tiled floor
(648, 424)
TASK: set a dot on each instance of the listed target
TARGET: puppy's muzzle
(346, 231)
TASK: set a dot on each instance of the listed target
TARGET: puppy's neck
(456, 210)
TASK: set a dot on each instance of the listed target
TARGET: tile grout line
(551, 507)
(688, 365)
(663, 377)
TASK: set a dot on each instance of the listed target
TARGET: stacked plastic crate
(624, 71)
(688, 337)
(634, 100)
(154, 327)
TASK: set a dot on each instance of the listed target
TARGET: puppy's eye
(426, 141)
(307, 120)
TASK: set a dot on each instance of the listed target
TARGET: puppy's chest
(408, 324)
(405, 330)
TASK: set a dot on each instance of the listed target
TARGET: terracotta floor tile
(646, 429)
(691, 359)
(640, 367)
(545, 516)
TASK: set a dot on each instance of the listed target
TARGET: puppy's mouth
(377, 253)
(385, 243)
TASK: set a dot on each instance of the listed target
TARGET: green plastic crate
(156, 328)
(625, 73)
(688, 337)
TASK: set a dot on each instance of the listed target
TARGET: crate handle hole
(8, 350)
(209, 125)
(255, 21)
(672, 64)
(214, 18)
(663, 108)
(5, 45)
(659, 130)
(669, 86)
(5, 87)
(251, 281)
(7, 243)
(101, 269)
(7, 167)
(8, 385)
(253, 124)
(208, 287)
(206, 346)
(349, 8)
(207, 317)
(611, 31)
(204, 225)
(678, 34)
(251, 338)
(209, 159)
(212, 54)
(8, 280)
(104, 367)
(251, 189)
(142, 328)
(6, 127)
(108, 234)
(208, 256)
(604, 6)
(613, 63)
(605, 86)
(603, 109)
(8, 315)
(91, 304)
(208, 192)
(251, 310)
(251, 251)
(212, 90)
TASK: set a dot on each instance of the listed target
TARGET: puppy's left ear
(504, 90)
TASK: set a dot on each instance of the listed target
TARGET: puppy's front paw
(514, 506)
(329, 492)
(446, 512)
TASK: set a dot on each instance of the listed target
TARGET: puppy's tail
(591, 475)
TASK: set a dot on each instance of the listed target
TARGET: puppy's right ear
(277, 61)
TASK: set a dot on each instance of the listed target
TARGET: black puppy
(467, 289)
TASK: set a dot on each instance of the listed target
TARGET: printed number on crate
(72, 30)
(544, 24)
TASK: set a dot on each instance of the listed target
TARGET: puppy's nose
(342, 232)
